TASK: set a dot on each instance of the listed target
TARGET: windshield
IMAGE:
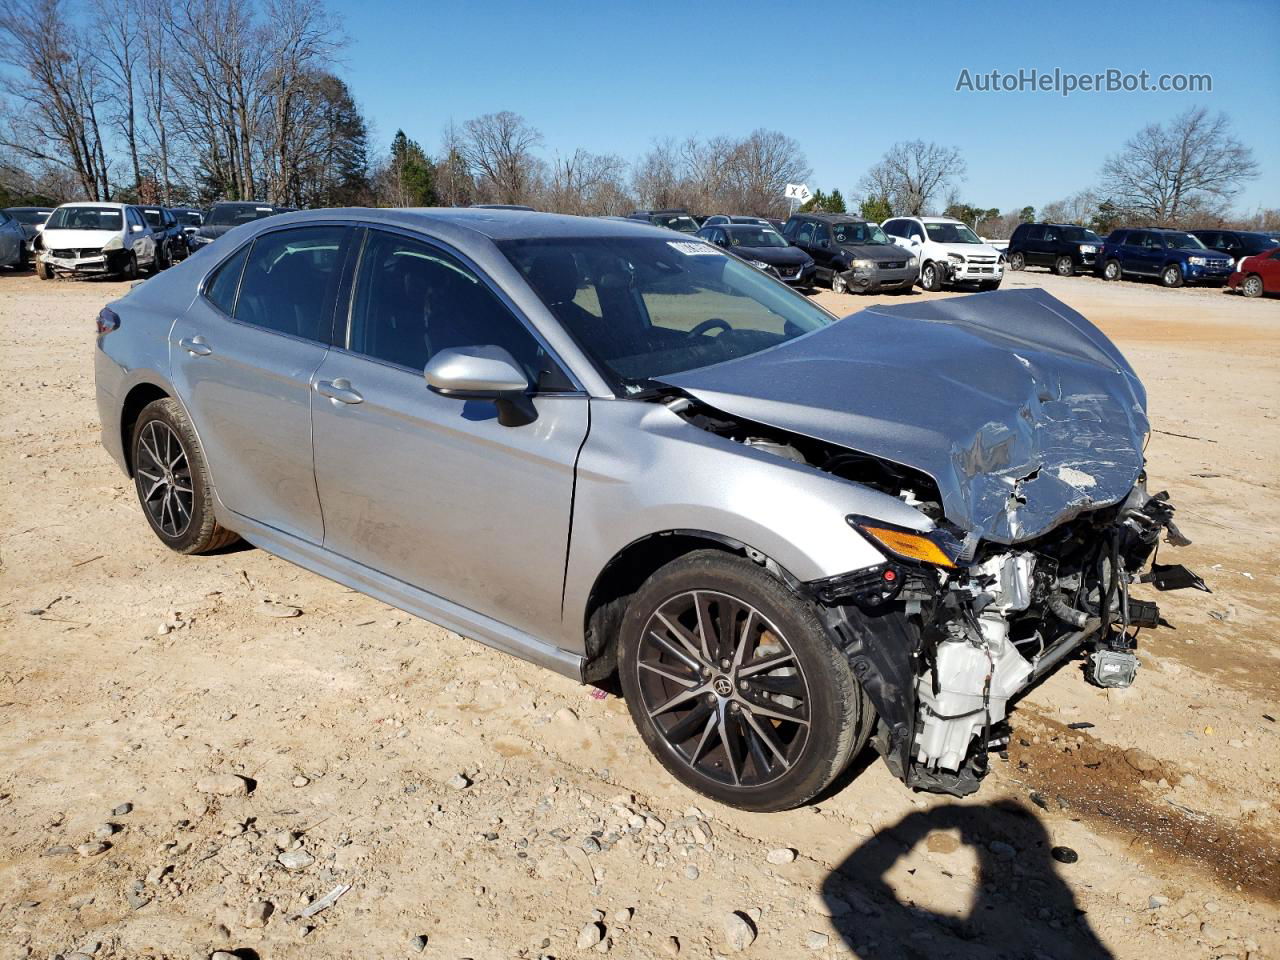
(191, 217)
(755, 237)
(1080, 235)
(230, 215)
(643, 307)
(680, 221)
(859, 234)
(1253, 243)
(85, 218)
(1181, 241)
(30, 217)
(951, 233)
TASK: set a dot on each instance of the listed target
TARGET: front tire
(1252, 286)
(172, 481)
(931, 277)
(736, 686)
(131, 267)
(838, 282)
(1171, 276)
(43, 270)
(1064, 267)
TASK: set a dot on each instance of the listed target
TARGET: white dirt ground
(128, 674)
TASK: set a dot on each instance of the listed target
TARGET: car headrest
(554, 274)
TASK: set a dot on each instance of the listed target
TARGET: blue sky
(846, 80)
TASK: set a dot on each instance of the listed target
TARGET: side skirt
(411, 599)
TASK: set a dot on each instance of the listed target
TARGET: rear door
(1033, 246)
(1148, 253)
(433, 490)
(244, 358)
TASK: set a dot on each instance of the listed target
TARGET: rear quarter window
(222, 285)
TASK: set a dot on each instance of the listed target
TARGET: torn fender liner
(1020, 409)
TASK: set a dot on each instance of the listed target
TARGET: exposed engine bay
(944, 648)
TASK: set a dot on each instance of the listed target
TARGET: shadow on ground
(1020, 907)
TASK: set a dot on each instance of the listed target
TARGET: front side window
(153, 216)
(85, 218)
(643, 308)
(413, 300)
(288, 281)
(1181, 241)
(806, 233)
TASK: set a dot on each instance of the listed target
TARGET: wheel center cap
(723, 686)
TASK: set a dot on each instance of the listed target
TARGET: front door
(244, 357)
(432, 490)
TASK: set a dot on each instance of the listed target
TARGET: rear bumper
(109, 379)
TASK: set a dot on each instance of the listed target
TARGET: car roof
(932, 219)
(496, 225)
(831, 217)
(98, 203)
(40, 209)
(740, 226)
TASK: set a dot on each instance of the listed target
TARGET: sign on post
(797, 191)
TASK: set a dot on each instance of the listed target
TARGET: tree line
(189, 101)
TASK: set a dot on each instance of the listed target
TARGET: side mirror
(824, 244)
(483, 373)
(914, 241)
(136, 228)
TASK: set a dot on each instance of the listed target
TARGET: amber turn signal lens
(913, 546)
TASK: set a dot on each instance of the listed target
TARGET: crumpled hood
(76, 239)
(1019, 408)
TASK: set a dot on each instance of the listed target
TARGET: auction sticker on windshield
(691, 248)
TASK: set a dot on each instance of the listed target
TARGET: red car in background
(1258, 274)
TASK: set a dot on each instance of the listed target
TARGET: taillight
(108, 320)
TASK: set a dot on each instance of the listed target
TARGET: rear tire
(1017, 261)
(1252, 286)
(172, 481)
(788, 729)
(1171, 276)
(1064, 267)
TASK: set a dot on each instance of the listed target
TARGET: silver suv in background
(605, 447)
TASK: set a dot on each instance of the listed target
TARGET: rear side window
(413, 300)
(225, 281)
(289, 280)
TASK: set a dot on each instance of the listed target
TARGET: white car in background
(950, 253)
(96, 238)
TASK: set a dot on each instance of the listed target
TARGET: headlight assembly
(913, 262)
(936, 548)
(1197, 261)
(956, 257)
(759, 264)
(861, 266)
(115, 243)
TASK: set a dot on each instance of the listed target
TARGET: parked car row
(1238, 258)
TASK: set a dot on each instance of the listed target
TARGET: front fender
(644, 471)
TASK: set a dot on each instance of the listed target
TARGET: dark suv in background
(1236, 244)
(678, 220)
(852, 255)
(226, 214)
(171, 241)
(1065, 248)
(1174, 257)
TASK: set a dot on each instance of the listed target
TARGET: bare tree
(498, 148)
(54, 92)
(912, 174)
(1081, 207)
(587, 184)
(116, 22)
(1166, 173)
(761, 166)
(455, 184)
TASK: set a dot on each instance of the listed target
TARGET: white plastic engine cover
(952, 718)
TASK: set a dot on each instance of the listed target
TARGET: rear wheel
(1111, 270)
(1171, 276)
(1017, 261)
(1252, 286)
(736, 686)
(931, 277)
(172, 480)
(1064, 267)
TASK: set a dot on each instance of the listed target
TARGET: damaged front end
(942, 648)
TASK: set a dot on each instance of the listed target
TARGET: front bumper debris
(943, 653)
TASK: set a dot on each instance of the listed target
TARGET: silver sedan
(607, 448)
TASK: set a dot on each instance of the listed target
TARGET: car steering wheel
(708, 325)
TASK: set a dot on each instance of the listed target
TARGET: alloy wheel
(1253, 286)
(838, 284)
(723, 688)
(1017, 262)
(165, 475)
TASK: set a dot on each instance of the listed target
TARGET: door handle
(195, 346)
(339, 390)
